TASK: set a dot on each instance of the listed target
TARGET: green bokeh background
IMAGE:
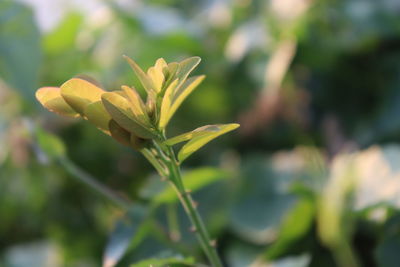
(309, 178)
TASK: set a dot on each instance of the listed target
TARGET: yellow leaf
(51, 99)
(143, 78)
(166, 104)
(182, 92)
(157, 78)
(197, 142)
(119, 109)
(97, 114)
(137, 106)
(78, 93)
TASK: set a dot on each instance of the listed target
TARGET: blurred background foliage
(312, 177)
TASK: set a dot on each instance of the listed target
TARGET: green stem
(175, 179)
(87, 179)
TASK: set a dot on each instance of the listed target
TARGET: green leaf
(97, 114)
(51, 99)
(50, 144)
(119, 109)
(197, 142)
(164, 262)
(170, 71)
(142, 76)
(296, 224)
(63, 37)
(193, 180)
(137, 106)
(128, 232)
(20, 49)
(79, 93)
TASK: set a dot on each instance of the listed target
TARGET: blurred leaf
(159, 262)
(119, 109)
(186, 66)
(63, 37)
(50, 144)
(79, 93)
(296, 224)
(166, 104)
(50, 98)
(156, 74)
(20, 51)
(128, 230)
(211, 133)
(142, 76)
(193, 180)
(119, 133)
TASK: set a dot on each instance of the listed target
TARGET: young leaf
(51, 99)
(97, 114)
(182, 92)
(156, 74)
(166, 104)
(119, 109)
(78, 93)
(169, 72)
(186, 67)
(189, 135)
(137, 106)
(197, 142)
(143, 78)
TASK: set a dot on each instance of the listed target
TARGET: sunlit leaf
(142, 76)
(137, 106)
(189, 135)
(156, 74)
(199, 141)
(182, 92)
(186, 67)
(193, 180)
(166, 104)
(119, 133)
(51, 99)
(97, 114)
(170, 71)
(119, 109)
(78, 93)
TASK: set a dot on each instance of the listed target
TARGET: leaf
(119, 109)
(296, 224)
(50, 144)
(20, 48)
(156, 74)
(186, 67)
(79, 93)
(189, 135)
(137, 106)
(143, 78)
(199, 141)
(193, 180)
(170, 71)
(51, 99)
(166, 105)
(182, 92)
(97, 114)
(128, 232)
(163, 262)
(119, 134)
(64, 36)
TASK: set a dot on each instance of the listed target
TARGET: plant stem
(191, 210)
(87, 179)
